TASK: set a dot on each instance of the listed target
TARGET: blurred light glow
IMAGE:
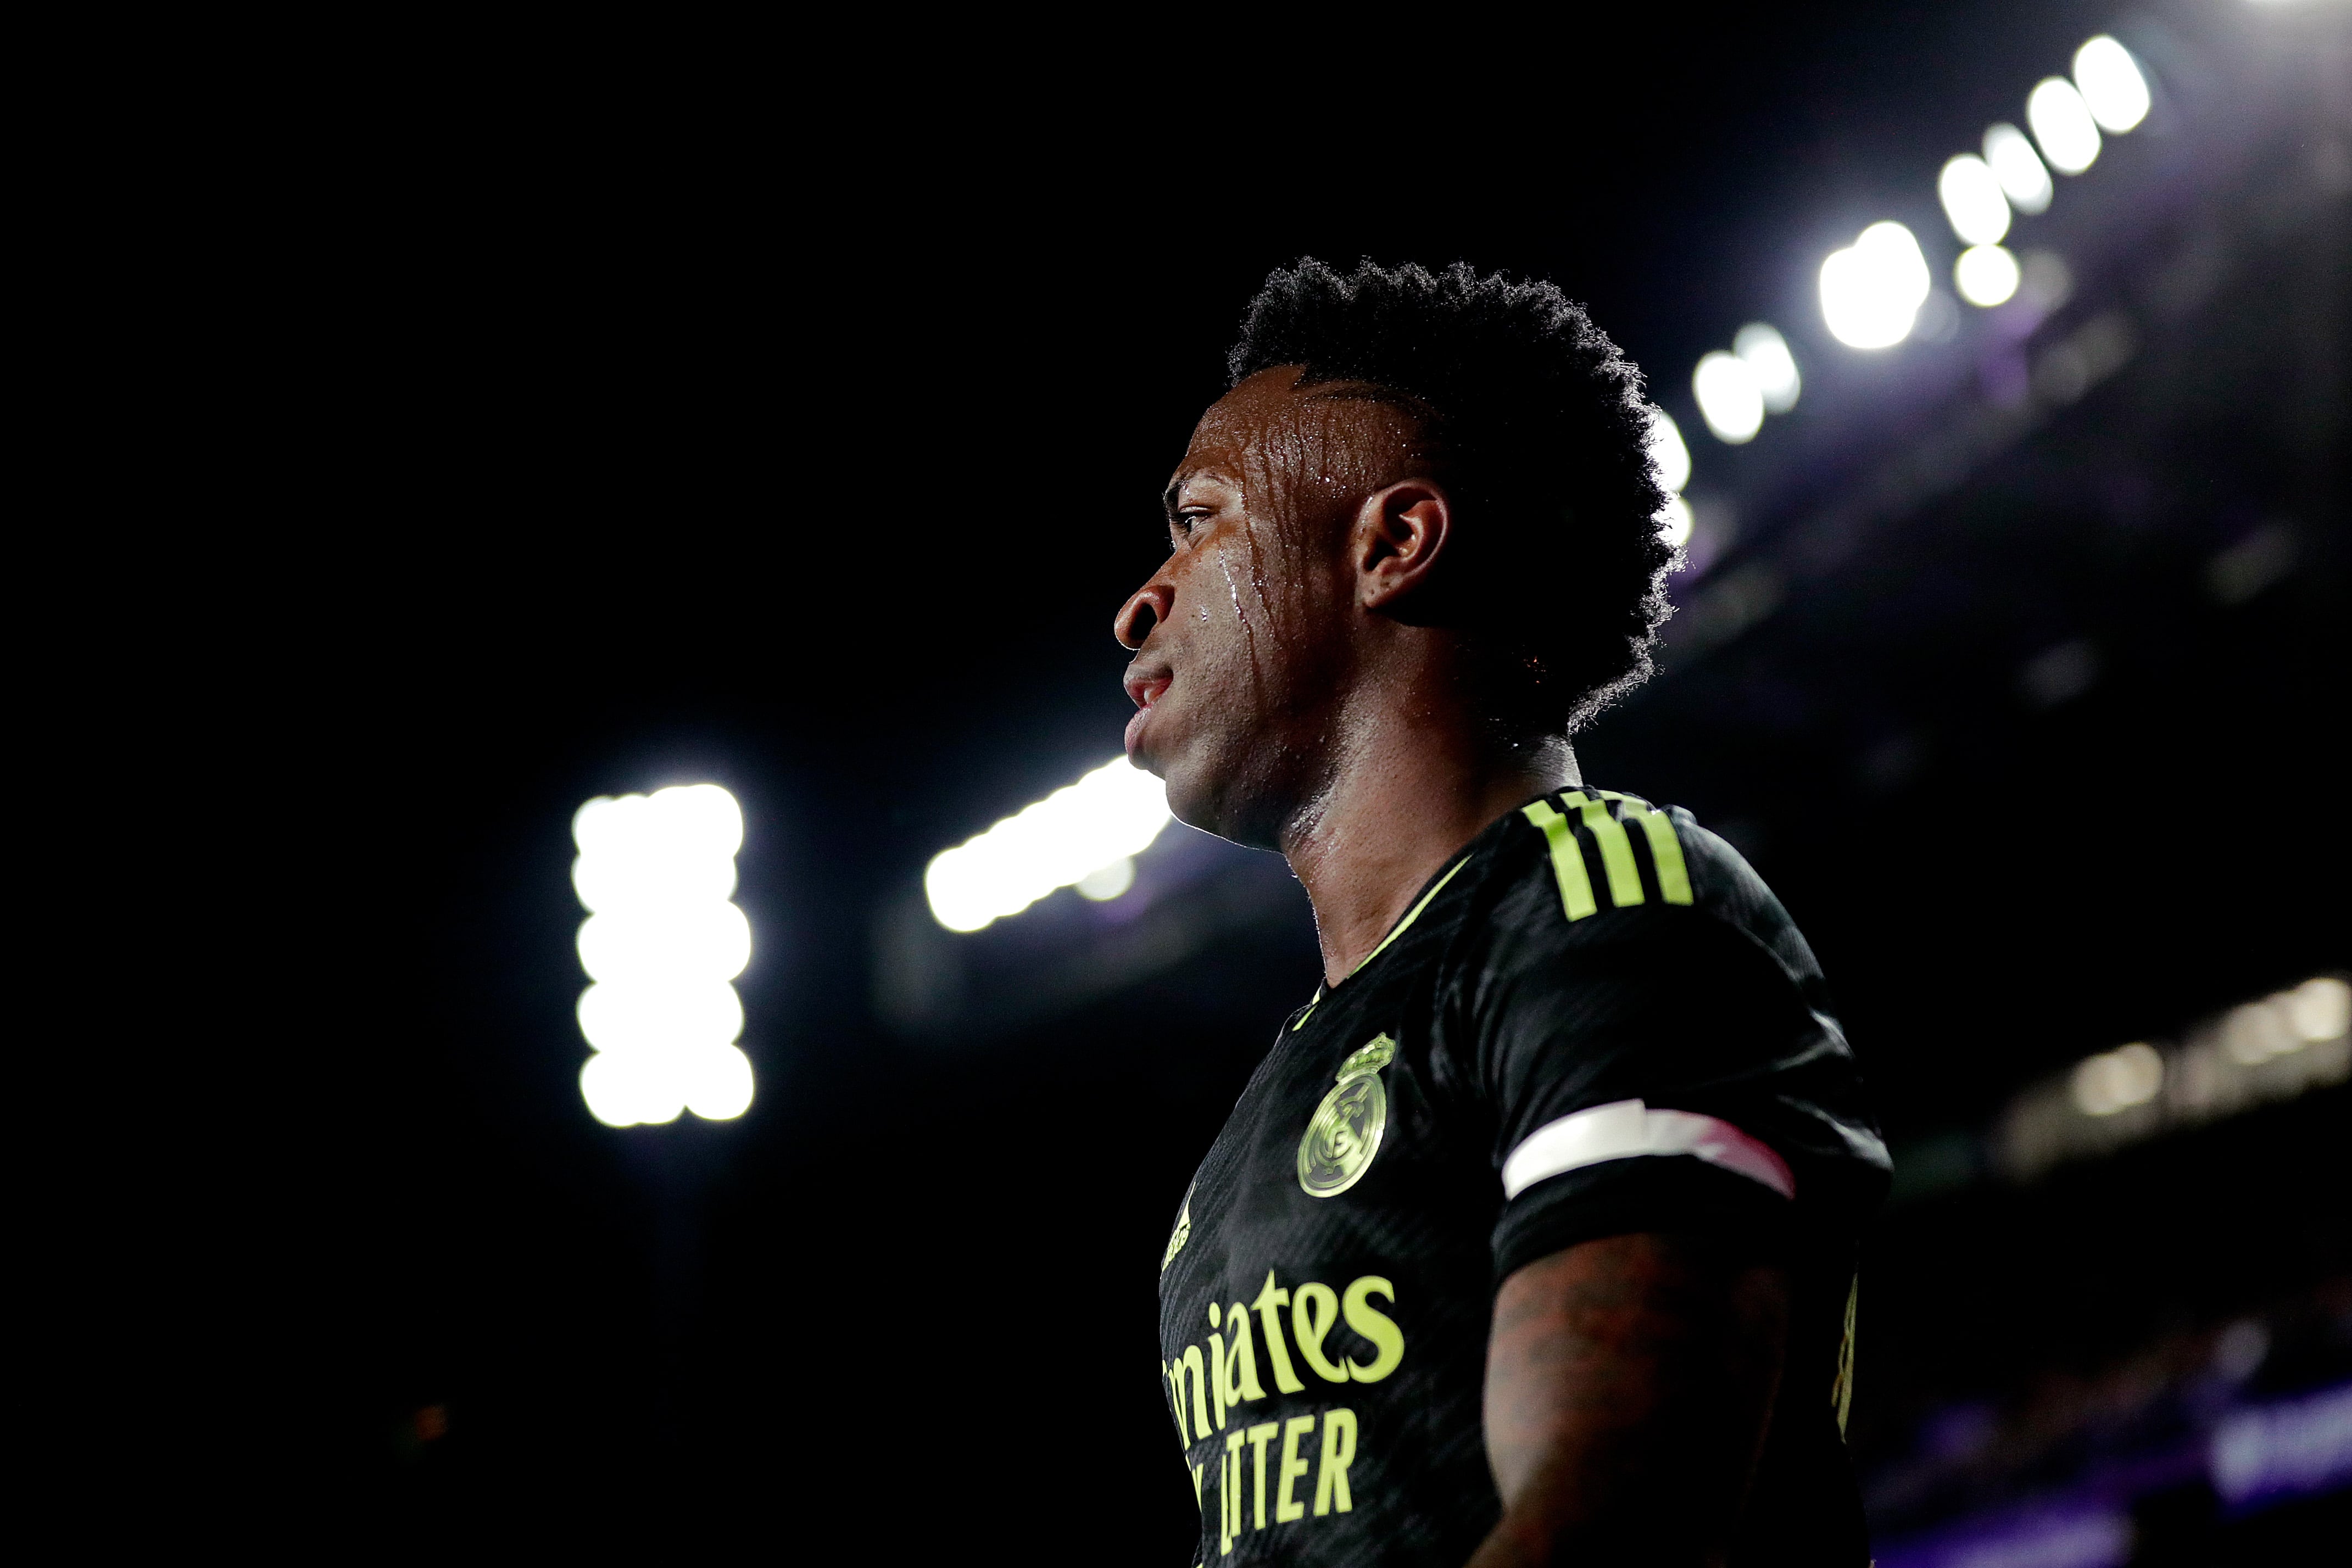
(1986, 275)
(2319, 1009)
(1767, 353)
(2061, 123)
(1674, 522)
(2298, 1446)
(2253, 1033)
(2018, 167)
(1871, 290)
(1113, 813)
(2045, 280)
(1668, 452)
(2112, 87)
(1108, 883)
(2118, 1079)
(1973, 200)
(1729, 397)
(662, 942)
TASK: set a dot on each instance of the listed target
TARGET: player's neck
(1407, 797)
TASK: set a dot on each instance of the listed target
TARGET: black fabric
(1503, 1015)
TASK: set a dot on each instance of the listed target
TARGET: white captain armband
(1625, 1128)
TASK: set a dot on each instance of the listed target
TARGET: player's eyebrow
(1176, 487)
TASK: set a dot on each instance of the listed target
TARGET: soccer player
(1532, 1239)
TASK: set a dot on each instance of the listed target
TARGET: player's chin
(1207, 791)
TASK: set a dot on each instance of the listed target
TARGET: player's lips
(1145, 688)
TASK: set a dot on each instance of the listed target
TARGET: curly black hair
(1539, 425)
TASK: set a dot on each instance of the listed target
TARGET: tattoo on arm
(1629, 1382)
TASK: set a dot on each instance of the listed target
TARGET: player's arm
(1629, 1381)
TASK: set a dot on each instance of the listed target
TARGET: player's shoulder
(1582, 854)
(1589, 869)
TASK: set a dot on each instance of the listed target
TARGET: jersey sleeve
(1665, 1065)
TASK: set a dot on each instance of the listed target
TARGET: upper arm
(1629, 1382)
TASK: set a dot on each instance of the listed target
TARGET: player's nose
(1145, 609)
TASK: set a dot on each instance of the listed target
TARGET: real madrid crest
(1344, 1133)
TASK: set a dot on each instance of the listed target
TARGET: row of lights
(2317, 1011)
(1085, 836)
(1871, 290)
(2273, 1047)
(662, 946)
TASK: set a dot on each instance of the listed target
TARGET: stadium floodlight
(1972, 200)
(1728, 397)
(1669, 454)
(662, 945)
(2019, 168)
(2061, 123)
(1074, 836)
(1871, 290)
(2110, 82)
(1767, 353)
(1986, 275)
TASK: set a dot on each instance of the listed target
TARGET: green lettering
(1269, 1303)
(1314, 1309)
(1285, 1508)
(1199, 1379)
(1338, 1453)
(1237, 1374)
(1388, 1339)
(1229, 1503)
(1258, 1436)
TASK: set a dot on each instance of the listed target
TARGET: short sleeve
(1663, 1068)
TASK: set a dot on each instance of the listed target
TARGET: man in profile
(1532, 1239)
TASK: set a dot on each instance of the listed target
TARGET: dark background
(793, 417)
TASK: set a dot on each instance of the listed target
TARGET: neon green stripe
(1309, 1012)
(1665, 848)
(1567, 860)
(1616, 849)
(1414, 913)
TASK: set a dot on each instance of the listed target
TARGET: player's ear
(1399, 534)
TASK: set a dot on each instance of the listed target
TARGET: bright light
(1668, 453)
(661, 943)
(1728, 397)
(2019, 168)
(1871, 290)
(1972, 200)
(2319, 1009)
(1985, 275)
(2118, 1079)
(2252, 1034)
(1112, 813)
(2061, 123)
(1674, 522)
(2112, 88)
(1108, 883)
(1767, 353)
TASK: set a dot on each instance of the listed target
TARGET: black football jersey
(1595, 1020)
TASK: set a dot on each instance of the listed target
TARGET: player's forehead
(1271, 420)
(1238, 425)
